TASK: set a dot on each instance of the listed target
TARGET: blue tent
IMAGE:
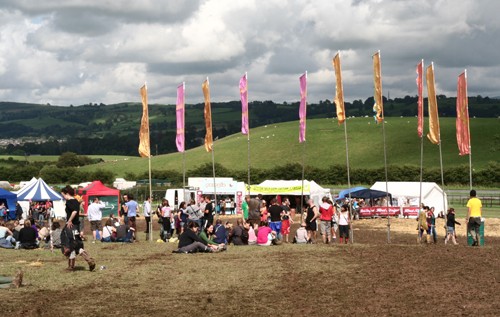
(10, 201)
(345, 193)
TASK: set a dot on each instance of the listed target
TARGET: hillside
(277, 144)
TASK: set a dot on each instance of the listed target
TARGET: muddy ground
(370, 277)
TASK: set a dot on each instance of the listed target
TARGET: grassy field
(369, 277)
(277, 144)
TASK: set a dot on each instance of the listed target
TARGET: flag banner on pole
(339, 90)
(420, 102)
(463, 137)
(144, 146)
(179, 114)
(302, 108)
(208, 116)
(244, 104)
(433, 134)
(378, 106)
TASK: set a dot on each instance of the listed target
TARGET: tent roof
(98, 188)
(6, 194)
(287, 187)
(38, 191)
(369, 193)
(345, 193)
(409, 189)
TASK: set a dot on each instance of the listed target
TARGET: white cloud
(80, 51)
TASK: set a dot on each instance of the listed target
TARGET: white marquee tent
(407, 194)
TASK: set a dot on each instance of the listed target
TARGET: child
(344, 223)
(450, 226)
(301, 234)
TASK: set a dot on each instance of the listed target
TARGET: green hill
(277, 144)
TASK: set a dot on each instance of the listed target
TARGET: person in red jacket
(326, 211)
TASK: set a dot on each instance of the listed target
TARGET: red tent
(109, 196)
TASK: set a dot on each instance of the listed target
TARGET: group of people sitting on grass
(24, 234)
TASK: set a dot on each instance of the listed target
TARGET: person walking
(94, 213)
(450, 227)
(70, 236)
(146, 209)
(473, 220)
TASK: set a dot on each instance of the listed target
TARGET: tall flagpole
(248, 137)
(213, 157)
(421, 81)
(468, 127)
(184, 143)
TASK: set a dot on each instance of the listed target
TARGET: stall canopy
(291, 188)
(407, 194)
(370, 194)
(345, 193)
(38, 191)
(109, 196)
(10, 200)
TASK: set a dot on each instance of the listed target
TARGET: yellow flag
(378, 107)
(144, 148)
(208, 116)
(339, 90)
(433, 134)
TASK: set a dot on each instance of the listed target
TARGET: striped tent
(38, 191)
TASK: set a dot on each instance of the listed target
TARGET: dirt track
(367, 278)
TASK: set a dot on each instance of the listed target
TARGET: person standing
(244, 207)
(70, 236)
(208, 217)
(131, 211)
(253, 212)
(275, 211)
(431, 223)
(166, 216)
(326, 211)
(94, 213)
(194, 213)
(123, 211)
(311, 217)
(473, 220)
(286, 220)
(344, 223)
(147, 215)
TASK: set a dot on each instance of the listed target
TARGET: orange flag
(462, 123)
(144, 146)
(208, 116)
(434, 132)
(339, 90)
(378, 107)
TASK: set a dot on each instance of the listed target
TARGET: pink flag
(302, 108)
(462, 122)
(179, 113)
(244, 104)
(420, 102)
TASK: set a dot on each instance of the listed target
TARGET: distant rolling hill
(277, 144)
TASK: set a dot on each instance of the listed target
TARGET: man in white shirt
(94, 213)
(147, 215)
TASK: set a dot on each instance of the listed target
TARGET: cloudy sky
(79, 51)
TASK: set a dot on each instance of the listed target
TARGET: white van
(177, 195)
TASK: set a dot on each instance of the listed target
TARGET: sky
(77, 52)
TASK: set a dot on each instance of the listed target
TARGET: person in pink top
(326, 211)
(252, 237)
(265, 235)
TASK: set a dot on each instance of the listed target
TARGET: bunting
(339, 90)
(302, 108)
(179, 114)
(420, 102)
(378, 106)
(434, 132)
(144, 146)
(208, 116)
(244, 104)
(462, 123)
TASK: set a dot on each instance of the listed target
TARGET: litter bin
(470, 241)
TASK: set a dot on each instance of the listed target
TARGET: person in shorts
(344, 223)
(450, 227)
(326, 211)
(311, 217)
(474, 213)
(131, 211)
(94, 213)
